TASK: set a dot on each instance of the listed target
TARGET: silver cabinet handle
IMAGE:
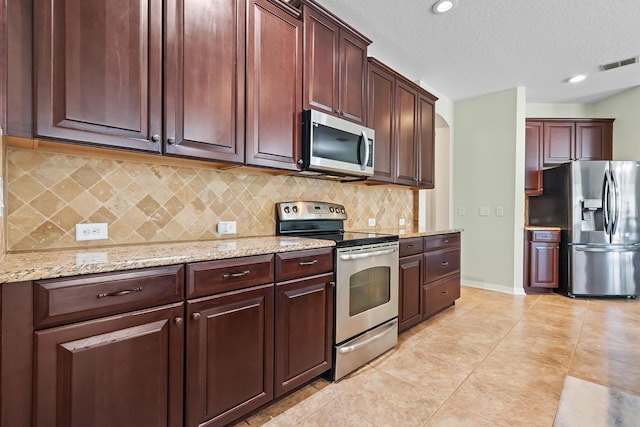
(444, 263)
(244, 273)
(155, 138)
(315, 261)
(178, 321)
(195, 316)
(171, 140)
(443, 293)
(120, 293)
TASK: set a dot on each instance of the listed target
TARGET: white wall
(625, 108)
(488, 154)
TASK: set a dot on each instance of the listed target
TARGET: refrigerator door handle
(606, 199)
(616, 202)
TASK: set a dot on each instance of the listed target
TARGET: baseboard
(492, 287)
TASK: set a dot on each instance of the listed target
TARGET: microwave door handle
(365, 141)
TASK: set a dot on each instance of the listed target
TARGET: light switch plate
(372, 222)
(499, 211)
(485, 211)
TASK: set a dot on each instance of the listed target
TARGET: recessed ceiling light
(578, 78)
(443, 6)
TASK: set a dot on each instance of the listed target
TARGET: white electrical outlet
(96, 231)
(499, 211)
(227, 227)
(461, 211)
(372, 222)
(401, 222)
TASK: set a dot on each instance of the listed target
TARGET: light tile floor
(492, 360)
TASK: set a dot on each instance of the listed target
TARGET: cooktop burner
(322, 220)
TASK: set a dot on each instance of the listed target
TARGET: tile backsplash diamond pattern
(48, 193)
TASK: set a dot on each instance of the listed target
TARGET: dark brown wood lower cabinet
(542, 255)
(229, 355)
(124, 370)
(410, 281)
(304, 319)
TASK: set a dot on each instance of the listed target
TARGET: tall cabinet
(402, 115)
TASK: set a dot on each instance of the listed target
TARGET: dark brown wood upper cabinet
(533, 159)
(204, 79)
(98, 72)
(594, 140)
(335, 64)
(274, 85)
(559, 142)
(381, 113)
(403, 117)
(406, 101)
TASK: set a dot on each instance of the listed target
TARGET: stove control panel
(291, 211)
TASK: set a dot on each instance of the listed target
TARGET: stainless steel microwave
(335, 146)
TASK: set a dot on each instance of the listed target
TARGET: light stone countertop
(542, 227)
(22, 266)
(407, 232)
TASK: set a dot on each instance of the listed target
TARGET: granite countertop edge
(26, 266)
(405, 234)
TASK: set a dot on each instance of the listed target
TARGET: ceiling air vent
(617, 64)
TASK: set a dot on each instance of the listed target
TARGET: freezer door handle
(616, 202)
(606, 203)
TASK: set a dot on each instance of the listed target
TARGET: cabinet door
(123, 370)
(533, 159)
(559, 142)
(98, 72)
(410, 280)
(543, 269)
(321, 62)
(406, 106)
(426, 142)
(304, 330)
(274, 87)
(353, 74)
(204, 79)
(229, 355)
(380, 116)
(594, 141)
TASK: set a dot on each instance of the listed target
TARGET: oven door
(366, 288)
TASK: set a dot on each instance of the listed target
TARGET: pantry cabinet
(335, 64)
(403, 115)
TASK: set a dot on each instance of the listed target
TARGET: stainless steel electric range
(366, 269)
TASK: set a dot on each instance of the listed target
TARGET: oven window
(368, 289)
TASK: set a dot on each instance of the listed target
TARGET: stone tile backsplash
(48, 193)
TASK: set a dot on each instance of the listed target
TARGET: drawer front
(212, 277)
(440, 295)
(411, 246)
(441, 263)
(544, 236)
(66, 300)
(292, 265)
(441, 241)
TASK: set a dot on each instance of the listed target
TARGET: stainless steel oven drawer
(354, 353)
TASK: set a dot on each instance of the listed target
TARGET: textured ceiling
(484, 46)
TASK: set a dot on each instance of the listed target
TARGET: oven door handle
(349, 257)
(350, 348)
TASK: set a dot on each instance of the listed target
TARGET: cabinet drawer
(440, 295)
(411, 246)
(441, 241)
(66, 300)
(292, 265)
(212, 277)
(441, 263)
(544, 236)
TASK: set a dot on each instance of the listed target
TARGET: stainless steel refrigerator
(596, 204)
